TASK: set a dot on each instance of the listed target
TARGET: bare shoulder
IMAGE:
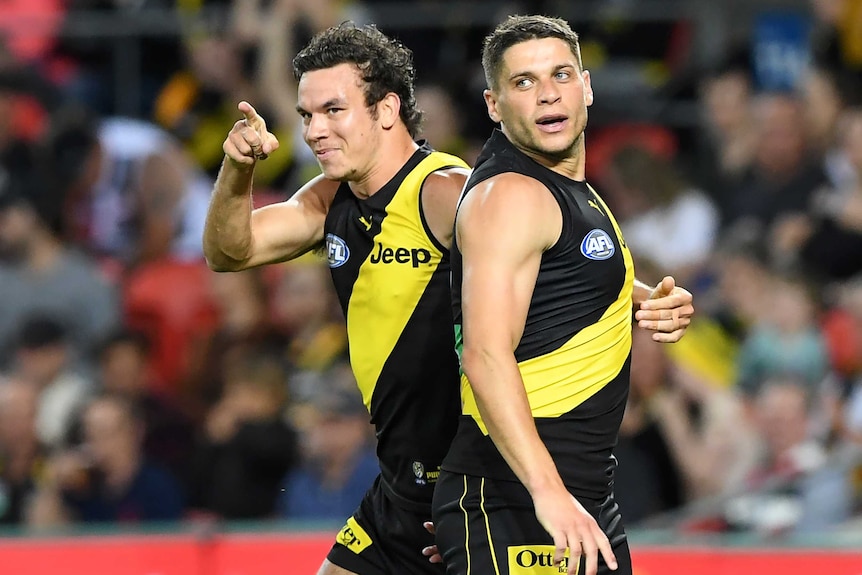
(318, 191)
(510, 192)
(512, 204)
(446, 180)
(312, 200)
(440, 193)
(442, 188)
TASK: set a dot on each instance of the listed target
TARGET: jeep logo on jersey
(597, 245)
(413, 256)
(337, 252)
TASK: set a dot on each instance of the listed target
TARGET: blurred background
(141, 392)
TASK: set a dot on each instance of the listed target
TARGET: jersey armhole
(566, 225)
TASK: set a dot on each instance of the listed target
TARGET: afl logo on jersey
(337, 252)
(597, 245)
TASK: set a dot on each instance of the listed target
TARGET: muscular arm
(503, 228)
(237, 237)
(502, 235)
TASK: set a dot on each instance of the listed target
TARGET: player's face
(542, 97)
(336, 123)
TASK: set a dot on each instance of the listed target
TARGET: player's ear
(588, 87)
(491, 102)
(389, 110)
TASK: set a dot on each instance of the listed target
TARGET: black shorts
(382, 538)
(486, 526)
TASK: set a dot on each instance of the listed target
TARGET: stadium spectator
(338, 456)
(123, 369)
(247, 446)
(107, 478)
(21, 453)
(795, 486)
(43, 358)
(42, 275)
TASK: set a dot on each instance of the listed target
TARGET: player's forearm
(505, 409)
(227, 240)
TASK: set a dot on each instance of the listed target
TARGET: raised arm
(237, 237)
(502, 229)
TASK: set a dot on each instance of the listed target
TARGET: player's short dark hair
(386, 64)
(517, 29)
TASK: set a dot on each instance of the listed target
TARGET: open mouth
(551, 122)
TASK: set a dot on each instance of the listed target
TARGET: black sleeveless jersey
(392, 280)
(574, 354)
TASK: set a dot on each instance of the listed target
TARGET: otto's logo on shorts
(337, 252)
(535, 560)
(353, 537)
(597, 245)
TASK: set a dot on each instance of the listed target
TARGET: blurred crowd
(137, 385)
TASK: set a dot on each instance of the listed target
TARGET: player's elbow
(219, 262)
(217, 266)
(475, 361)
(222, 256)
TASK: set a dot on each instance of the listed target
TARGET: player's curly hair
(517, 29)
(386, 64)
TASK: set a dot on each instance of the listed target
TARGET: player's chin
(556, 143)
(557, 150)
(330, 172)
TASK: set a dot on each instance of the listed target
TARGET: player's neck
(393, 152)
(572, 165)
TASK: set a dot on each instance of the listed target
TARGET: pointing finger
(252, 118)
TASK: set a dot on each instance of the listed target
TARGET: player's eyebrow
(524, 74)
(531, 74)
(332, 102)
